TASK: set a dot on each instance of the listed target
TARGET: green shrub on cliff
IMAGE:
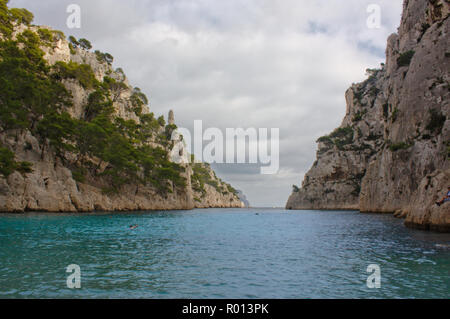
(201, 176)
(342, 132)
(46, 37)
(358, 116)
(372, 73)
(58, 35)
(340, 137)
(8, 164)
(399, 146)
(10, 16)
(81, 72)
(33, 98)
(73, 41)
(138, 100)
(21, 15)
(80, 43)
(104, 57)
(85, 44)
(394, 114)
(98, 104)
(386, 110)
(79, 174)
(325, 139)
(27, 91)
(405, 58)
(232, 190)
(115, 87)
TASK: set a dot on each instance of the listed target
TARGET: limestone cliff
(391, 152)
(57, 164)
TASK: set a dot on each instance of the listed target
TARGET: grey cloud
(240, 63)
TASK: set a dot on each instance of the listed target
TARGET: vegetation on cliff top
(201, 176)
(8, 163)
(340, 137)
(33, 98)
(8, 17)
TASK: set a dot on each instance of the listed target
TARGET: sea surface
(220, 253)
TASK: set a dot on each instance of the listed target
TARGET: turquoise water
(220, 254)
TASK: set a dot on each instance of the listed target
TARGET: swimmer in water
(133, 226)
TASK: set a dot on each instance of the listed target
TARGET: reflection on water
(256, 253)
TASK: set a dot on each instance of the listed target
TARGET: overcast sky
(239, 63)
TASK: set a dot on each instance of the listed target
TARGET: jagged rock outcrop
(171, 118)
(243, 198)
(52, 185)
(391, 153)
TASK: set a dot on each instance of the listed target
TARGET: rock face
(391, 153)
(52, 187)
(243, 199)
(171, 118)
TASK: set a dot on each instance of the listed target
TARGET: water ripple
(220, 254)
